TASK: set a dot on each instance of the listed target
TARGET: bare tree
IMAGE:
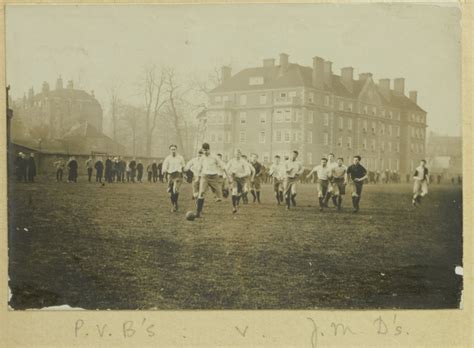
(154, 97)
(114, 108)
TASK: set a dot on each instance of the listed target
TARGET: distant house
(444, 154)
(274, 109)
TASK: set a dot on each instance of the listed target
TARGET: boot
(339, 203)
(258, 197)
(234, 204)
(253, 195)
(200, 205)
(293, 199)
(354, 203)
(237, 201)
(326, 200)
(245, 200)
(334, 201)
(176, 196)
(277, 195)
(281, 196)
(172, 199)
(321, 203)
(288, 202)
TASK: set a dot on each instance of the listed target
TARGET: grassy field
(120, 247)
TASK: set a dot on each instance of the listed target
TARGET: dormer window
(256, 81)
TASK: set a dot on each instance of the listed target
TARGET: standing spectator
(89, 167)
(108, 170)
(129, 172)
(438, 179)
(72, 167)
(59, 165)
(149, 171)
(123, 168)
(408, 178)
(459, 180)
(31, 168)
(160, 171)
(20, 167)
(116, 170)
(154, 169)
(133, 169)
(377, 177)
(99, 170)
(139, 171)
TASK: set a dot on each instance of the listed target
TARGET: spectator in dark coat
(123, 167)
(160, 171)
(20, 167)
(31, 168)
(154, 169)
(139, 171)
(133, 169)
(72, 167)
(99, 170)
(149, 171)
(108, 170)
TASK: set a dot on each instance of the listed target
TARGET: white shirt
(278, 171)
(324, 173)
(238, 167)
(420, 173)
(210, 165)
(173, 164)
(193, 165)
(293, 168)
(338, 172)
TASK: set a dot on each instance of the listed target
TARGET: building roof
(84, 129)
(301, 76)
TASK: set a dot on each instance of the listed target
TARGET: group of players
(241, 175)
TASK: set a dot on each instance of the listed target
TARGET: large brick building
(273, 109)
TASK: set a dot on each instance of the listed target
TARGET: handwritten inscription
(128, 329)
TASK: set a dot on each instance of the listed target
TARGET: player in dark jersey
(255, 183)
(356, 175)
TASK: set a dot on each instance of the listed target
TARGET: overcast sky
(95, 45)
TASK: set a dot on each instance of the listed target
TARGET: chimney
(59, 83)
(384, 87)
(414, 96)
(226, 72)
(399, 85)
(364, 76)
(269, 63)
(328, 73)
(45, 88)
(284, 61)
(318, 72)
(347, 77)
(70, 84)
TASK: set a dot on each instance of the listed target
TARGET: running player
(420, 184)
(339, 179)
(293, 169)
(331, 164)
(238, 172)
(356, 173)
(255, 183)
(223, 179)
(173, 168)
(323, 173)
(209, 168)
(248, 180)
(277, 172)
(193, 166)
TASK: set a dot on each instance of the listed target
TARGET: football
(190, 216)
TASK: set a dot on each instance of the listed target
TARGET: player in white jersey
(173, 169)
(248, 180)
(293, 170)
(338, 183)
(239, 171)
(277, 172)
(209, 168)
(324, 174)
(420, 184)
(223, 179)
(193, 166)
(331, 164)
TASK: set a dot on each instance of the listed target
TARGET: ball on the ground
(190, 216)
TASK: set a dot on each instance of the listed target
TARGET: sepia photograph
(234, 157)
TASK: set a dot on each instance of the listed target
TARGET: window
(339, 142)
(349, 142)
(213, 137)
(292, 94)
(295, 136)
(311, 97)
(350, 106)
(422, 134)
(266, 157)
(287, 115)
(309, 137)
(227, 137)
(372, 146)
(299, 136)
(279, 116)
(390, 164)
(382, 164)
(243, 137)
(374, 110)
(310, 117)
(325, 138)
(287, 136)
(382, 129)
(217, 99)
(220, 119)
(398, 131)
(397, 147)
(366, 109)
(383, 113)
(228, 119)
(364, 126)
(364, 143)
(262, 137)
(263, 99)
(382, 146)
(258, 80)
(326, 100)
(390, 129)
(283, 95)
(278, 136)
(225, 98)
(341, 123)
(341, 106)
(243, 99)
(326, 119)
(243, 117)
(220, 138)
(349, 124)
(390, 114)
(373, 127)
(389, 145)
(397, 164)
(263, 118)
(309, 156)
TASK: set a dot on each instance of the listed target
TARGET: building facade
(275, 109)
(444, 154)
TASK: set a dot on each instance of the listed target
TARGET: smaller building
(444, 154)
